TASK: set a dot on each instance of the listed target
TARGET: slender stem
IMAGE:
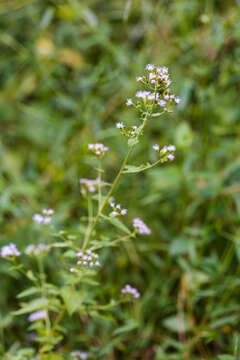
(144, 123)
(44, 295)
(107, 197)
(90, 215)
(99, 185)
(58, 319)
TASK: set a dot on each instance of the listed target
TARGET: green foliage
(66, 69)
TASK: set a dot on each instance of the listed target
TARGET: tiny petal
(120, 125)
(162, 103)
(150, 67)
(129, 102)
(171, 157)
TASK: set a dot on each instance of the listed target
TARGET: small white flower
(164, 149)
(129, 102)
(114, 213)
(151, 96)
(171, 157)
(171, 147)
(37, 315)
(150, 67)
(37, 218)
(156, 147)
(123, 212)
(139, 78)
(120, 125)
(162, 103)
(142, 94)
(177, 99)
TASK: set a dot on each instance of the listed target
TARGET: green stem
(107, 198)
(44, 294)
(90, 216)
(89, 233)
(99, 185)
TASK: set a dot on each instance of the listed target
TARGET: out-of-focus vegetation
(66, 68)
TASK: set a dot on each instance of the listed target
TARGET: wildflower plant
(79, 255)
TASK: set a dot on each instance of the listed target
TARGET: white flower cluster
(87, 259)
(98, 149)
(82, 355)
(117, 210)
(158, 74)
(37, 315)
(88, 185)
(128, 289)
(9, 251)
(45, 217)
(37, 250)
(166, 150)
(158, 81)
(141, 228)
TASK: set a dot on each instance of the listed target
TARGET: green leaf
(173, 323)
(132, 142)
(71, 298)
(28, 292)
(31, 306)
(117, 223)
(131, 325)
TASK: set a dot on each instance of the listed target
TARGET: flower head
(88, 185)
(117, 211)
(128, 289)
(129, 102)
(37, 315)
(98, 149)
(88, 259)
(82, 355)
(37, 249)
(141, 228)
(44, 218)
(9, 251)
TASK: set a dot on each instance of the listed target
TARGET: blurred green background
(66, 69)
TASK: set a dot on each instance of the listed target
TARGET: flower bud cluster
(117, 211)
(45, 217)
(128, 131)
(158, 93)
(98, 149)
(140, 227)
(128, 289)
(167, 152)
(37, 250)
(9, 251)
(88, 185)
(87, 259)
